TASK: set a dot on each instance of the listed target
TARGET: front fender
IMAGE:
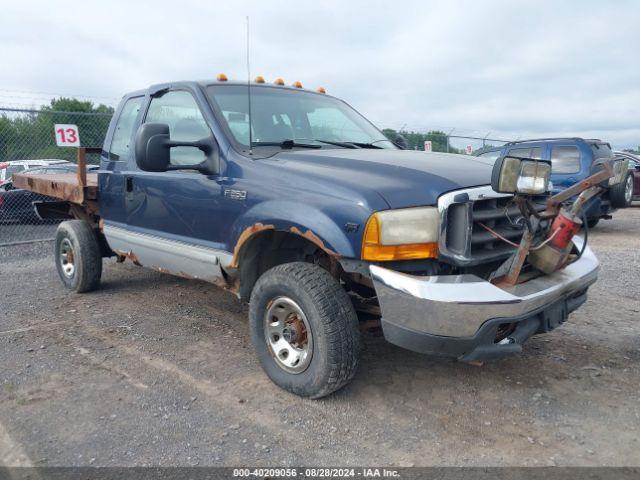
(281, 215)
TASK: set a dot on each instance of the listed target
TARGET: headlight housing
(402, 234)
(520, 175)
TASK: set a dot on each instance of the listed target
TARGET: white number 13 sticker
(67, 135)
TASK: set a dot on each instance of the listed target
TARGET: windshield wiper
(338, 144)
(367, 145)
(285, 144)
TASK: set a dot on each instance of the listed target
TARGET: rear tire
(78, 257)
(304, 329)
(622, 193)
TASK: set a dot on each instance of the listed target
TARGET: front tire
(78, 257)
(304, 329)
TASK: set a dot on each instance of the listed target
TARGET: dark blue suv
(573, 159)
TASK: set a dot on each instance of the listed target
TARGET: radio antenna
(249, 91)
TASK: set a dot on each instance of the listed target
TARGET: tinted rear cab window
(120, 144)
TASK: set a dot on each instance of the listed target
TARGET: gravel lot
(155, 370)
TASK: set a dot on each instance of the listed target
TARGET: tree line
(30, 135)
(415, 140)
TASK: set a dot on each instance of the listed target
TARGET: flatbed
(80, 188)
(63, 186)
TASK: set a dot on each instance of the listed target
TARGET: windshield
(490, 155)
(280, 115)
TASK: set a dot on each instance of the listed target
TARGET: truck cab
(297, 204)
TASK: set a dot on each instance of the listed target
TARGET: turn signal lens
(297, 84)
(321, 90)
(279, 81)
(373, 248)
(259, 79)
(221, 77)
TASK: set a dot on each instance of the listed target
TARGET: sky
(503, 69)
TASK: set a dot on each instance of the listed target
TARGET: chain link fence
(28, 144)
(439, 141)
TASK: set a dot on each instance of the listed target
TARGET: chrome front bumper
(459, 305)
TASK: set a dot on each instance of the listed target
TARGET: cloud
(515, 69)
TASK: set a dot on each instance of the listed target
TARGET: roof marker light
(297, 84)
(259, 79)
(279, 81)
(321, 90)
(221, 77)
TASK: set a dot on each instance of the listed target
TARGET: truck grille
(463, 240)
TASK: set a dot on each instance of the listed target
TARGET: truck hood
(403, 178)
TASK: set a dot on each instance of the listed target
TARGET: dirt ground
(156, 370)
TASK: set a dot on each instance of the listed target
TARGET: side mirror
(152, 147)
(521, 175)
(153, 150)
(401, 142)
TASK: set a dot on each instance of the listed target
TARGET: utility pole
(448, 134)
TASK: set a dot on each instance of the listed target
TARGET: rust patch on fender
(246, 234)
(309, 235)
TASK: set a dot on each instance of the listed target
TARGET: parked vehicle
(16, 205)
(573, 159)
(634, 167)
(7, 169)
(304, 209)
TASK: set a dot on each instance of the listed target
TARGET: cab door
(171, 217)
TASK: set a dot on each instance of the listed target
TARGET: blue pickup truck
(573, 159)
(296, 203)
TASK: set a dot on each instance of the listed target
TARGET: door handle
(128, 188)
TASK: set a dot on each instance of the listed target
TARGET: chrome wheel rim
(66, 258)
(288, 335)
(628, 189)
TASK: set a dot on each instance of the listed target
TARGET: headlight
(404, 234)
(620, 169)
(518, 175)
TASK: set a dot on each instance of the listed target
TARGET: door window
(527, 152)
(565, 159)
(120, 144)
(179, 110)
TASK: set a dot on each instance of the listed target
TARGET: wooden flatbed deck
(64, 186)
